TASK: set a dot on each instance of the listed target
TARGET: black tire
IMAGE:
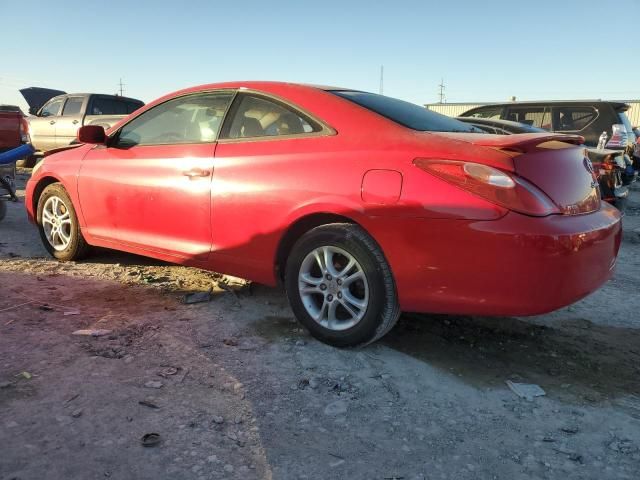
(3, 209)
(382, 310)
(77, 247)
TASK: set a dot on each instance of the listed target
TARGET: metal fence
(455, 109)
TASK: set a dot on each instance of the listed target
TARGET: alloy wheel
(56, 223)
(333, 287)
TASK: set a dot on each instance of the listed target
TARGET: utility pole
(381, 79)
(121, 87)
(441, 94)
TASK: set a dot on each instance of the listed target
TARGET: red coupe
(362, 205)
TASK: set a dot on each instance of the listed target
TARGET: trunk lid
(36, 97)
(555, 163)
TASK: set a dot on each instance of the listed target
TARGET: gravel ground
(236, 389)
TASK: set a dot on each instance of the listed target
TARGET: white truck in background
(57, 116)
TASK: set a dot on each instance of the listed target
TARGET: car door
(70, 120)
(42, 128)
(263, 144)
(149, 187)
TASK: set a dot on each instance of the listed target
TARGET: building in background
(455, 109)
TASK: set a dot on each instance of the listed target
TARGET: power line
(441, 93)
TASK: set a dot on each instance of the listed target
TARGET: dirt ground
(236, 389)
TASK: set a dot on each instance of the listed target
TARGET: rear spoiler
(520, 142)
(621, 107)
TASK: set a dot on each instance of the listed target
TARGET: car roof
(100, 94)
(263, 85)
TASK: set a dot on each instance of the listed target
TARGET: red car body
(245, 202)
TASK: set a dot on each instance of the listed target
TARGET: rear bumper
(516, 265)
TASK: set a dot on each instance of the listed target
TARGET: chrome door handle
(74, 122)
(52, 122)
(196, 172)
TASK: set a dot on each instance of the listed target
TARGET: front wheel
(340, 286)
(58, 224)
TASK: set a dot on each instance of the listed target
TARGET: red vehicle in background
(14, 128)
(14, 131)
(360, 204)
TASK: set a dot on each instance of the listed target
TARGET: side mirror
(33, 111)
(91, 134)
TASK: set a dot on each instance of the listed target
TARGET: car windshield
(405, 113)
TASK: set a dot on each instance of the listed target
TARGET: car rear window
(113, 106)
(405, 113)
(133, 106)
(573, 118)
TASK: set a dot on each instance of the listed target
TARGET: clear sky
(484, 50)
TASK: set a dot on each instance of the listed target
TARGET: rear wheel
(58, 224)
(340, 286)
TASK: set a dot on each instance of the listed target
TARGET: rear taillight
(619, 137)
(24, 131)
(496, 186)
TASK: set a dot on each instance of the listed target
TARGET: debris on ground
(26, 375)
(92, 332)
(150, 439)
(148, 403)
(72, 398)
(168, 371)
(624, 446)
(527, 391)
(197, 297)
(570, 430)
(153, 384)
(338, 407)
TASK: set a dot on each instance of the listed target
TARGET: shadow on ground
(573, 357)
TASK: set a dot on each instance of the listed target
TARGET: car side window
(533, 116)
(107, 106)
(183, 120)
(133, 106)
(486, 112)
(51, 109)
(72, 106)
(573, 119)
(260, 117)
